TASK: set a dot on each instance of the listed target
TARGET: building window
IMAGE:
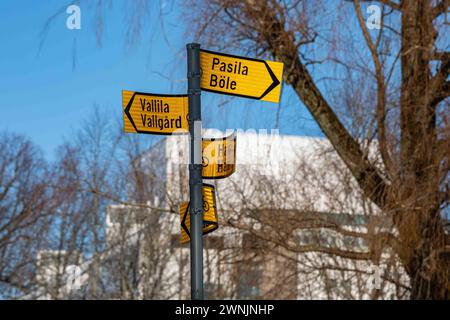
(249, 284)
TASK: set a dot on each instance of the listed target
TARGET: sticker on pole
(240, 76)
(210, 222)
(218, 157)
(155, 114)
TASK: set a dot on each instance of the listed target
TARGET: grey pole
(195, 170)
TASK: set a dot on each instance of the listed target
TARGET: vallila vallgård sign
(154, 114)
(239, 76)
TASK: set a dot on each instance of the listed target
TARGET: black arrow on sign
(130, 103)
(273, 85)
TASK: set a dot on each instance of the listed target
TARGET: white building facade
(292, 225)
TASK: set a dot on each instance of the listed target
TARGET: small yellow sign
(239, 76)
(218, 157)
(155, 114)
(209, 214)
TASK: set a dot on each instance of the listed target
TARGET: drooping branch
(381, 89)
(390, 3)
(440, 8)
(439, 83)
(442, 92)
(281, 44)
(298, 248)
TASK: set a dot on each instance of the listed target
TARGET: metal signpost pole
(195, 171)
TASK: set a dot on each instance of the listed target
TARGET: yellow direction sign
(209, 214)
(155, 114)
(218, 157)
(239, 76)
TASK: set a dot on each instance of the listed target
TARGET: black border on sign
(157, 94)
(215, 223)
(231, 55)
(221, 177)
(275, 80)
(213, 189)
(233, 136)
(127, 111)
(183, 221)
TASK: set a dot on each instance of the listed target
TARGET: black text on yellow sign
(218, 157)
(155, 114)
(210, 222)
(239, 76)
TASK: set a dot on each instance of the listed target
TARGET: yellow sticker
(155, 114)
(240, 76)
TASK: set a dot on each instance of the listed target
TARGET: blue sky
(45, 98)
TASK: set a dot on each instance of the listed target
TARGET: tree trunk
(416, 213)
(411, 198)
